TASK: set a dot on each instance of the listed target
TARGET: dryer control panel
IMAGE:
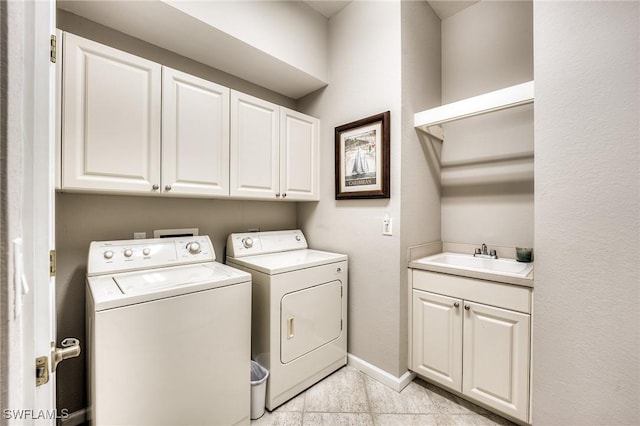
(254, 243)
(130, 255)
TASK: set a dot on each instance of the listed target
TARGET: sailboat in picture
(360, 164)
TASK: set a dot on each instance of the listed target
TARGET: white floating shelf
(430, 120)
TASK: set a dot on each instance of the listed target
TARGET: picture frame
(362, 158)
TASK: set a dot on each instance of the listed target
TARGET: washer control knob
(108, 254)
(128, 253)
(248, 242)
(194, 247)
(146, 251)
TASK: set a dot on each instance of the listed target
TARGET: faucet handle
(477, 251)
(493, 254)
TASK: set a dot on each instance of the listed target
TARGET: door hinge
(42, 370)
(54, 50)
(52, 263)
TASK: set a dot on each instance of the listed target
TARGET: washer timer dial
(247, 242)
(194, 247)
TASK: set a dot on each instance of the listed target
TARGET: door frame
(27, 298)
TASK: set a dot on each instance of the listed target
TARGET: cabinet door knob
(277, 195)
(284, 195)
(456, 305)
(167, 188)
(467, 307)
(155, 187)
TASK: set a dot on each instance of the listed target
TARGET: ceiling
(443, 8)
(327, 8)
(446, 8)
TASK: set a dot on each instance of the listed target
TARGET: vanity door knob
(456, 305)
(155, 187)
(167, 188)
(467, 307)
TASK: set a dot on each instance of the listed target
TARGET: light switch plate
(387, 225)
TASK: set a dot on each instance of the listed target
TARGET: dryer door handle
(290, 328)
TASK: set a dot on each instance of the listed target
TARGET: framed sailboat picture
(362, 158)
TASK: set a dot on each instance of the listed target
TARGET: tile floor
(349, 397)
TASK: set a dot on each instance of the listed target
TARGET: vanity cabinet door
(111, 119)
(496, 358)
(437, 338)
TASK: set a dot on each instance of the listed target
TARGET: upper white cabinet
(195, 135)
(133, 126)
(299, 155)
(274, 151)
(255, 133)
(111, 119)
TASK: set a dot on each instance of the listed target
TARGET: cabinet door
(195, 135)
(299, 155)
(111, 119)
(496, 358)
(254, 169)
(437, 338)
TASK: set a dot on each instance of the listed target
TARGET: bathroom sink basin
(509, 267)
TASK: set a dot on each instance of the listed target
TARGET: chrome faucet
(484, 253)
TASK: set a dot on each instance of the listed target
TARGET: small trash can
(259, 376)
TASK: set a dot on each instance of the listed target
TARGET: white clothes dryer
(299, 308)
(169, 334)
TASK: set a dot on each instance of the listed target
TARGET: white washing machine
(169, 334)
(299, 309)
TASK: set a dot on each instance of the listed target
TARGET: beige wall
(83, 27)
(420, 171)
(586, 347)
(487, 161)
(364, 70)
(81, 219)
(300, 29)
(396, 68)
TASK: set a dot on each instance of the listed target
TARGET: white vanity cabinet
(111, 119)
(473, 337)
(195, 135)
(274, 151)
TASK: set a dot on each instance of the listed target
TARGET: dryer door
(309, 318)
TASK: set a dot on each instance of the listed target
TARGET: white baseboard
(76, 418)
(387, 379)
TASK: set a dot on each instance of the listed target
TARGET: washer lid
(112, 291)
(278, 263)
(151, 280)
